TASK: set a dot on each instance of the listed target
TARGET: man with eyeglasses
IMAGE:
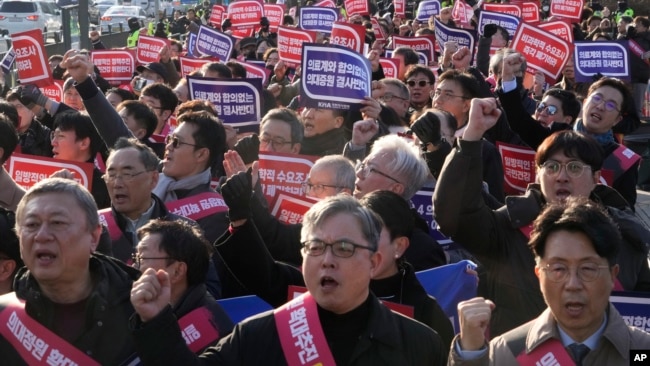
(179, 248)
(557, 111)
(340, 320)
(420, 82)
(579, 323)
(280, 131)
(396, 96)
(569, 164)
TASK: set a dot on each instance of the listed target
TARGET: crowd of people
(114, 276)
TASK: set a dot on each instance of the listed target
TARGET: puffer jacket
(106, 330)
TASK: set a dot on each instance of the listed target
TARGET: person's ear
(295, 148)
(537, 270)
(596, 177)
(95, 234)
(375, 261)
(178, 272)
(397, 188)
(84, 144)
(140, 133)
(338, 121)
(401, 244)
(7, 268)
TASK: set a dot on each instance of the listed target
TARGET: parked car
(20, 16)
(103, 5)
(93, 13)
(117, 14)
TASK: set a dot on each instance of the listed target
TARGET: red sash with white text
(197, 329)
(301, 334)
(551, 352)
(198, 206)
(36, 344)
(106, 218)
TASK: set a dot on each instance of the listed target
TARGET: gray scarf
(167, 185)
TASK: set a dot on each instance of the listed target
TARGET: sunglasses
(420, 83)
(550, 109)
(176, 142)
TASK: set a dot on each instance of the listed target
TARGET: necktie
(578, 352)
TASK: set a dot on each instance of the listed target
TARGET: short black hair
(182, 242)
(8, 138)
(83, 127)
(577, 214)
(574, 145)
(143, 115)
(165, 94)
(9, 110)
(210, 134)
(570, 104)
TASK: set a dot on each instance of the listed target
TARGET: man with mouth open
(575, 244)
(338, 321)
(71, 304)
(568, 164)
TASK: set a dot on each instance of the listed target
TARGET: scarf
(602, 138)
(167, 185)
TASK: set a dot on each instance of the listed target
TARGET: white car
(20, 16)
(120, 14)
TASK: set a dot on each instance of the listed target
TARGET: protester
(639, 32)
(34, 138)
(180, 249)
(568, 164)
(323, 131)
(10, 261)
(77, 300)
(357, 329)
(163, 101)
(579, 322)
(116, 96)
(420, 82)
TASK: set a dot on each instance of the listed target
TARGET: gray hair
(345, 172)
(146, 155)
(369, 223)
(403, 90)
(80, 194)
(405, 162)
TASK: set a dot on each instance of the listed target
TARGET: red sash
(619, 161)
(637, 50)
(106, 218)
(197, 329)
(36, 344)
(167, 129)
(551, 352)
(198, 206)
(301, 334)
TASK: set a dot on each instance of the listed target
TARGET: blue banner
(334, 77)
(427, 8)
(450, 285)
(634, 308)
(507, 21)
(240, 308)
(211, 42)
(609, 58)
(191, 45)
(236, 101)
(463, 37)
(8, 60)
(317, 18)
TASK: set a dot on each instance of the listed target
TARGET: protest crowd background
(336, 181)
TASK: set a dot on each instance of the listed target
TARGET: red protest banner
(245, 12)
(543, 51)
(325, 4)
(424, 44)
(283, 172)
(560, 28)
(31, 58)
(290, 42)
(530, 12)
(357, 7)
(54, 91)
(503, 9)
(149, 48)
(290, 208)
(518, 167)
(570, 9)
(377, 30)
(28, 170)
(189, 64)
(390, 66)
(256, 71)
(275, 14)
(348, 35)
(217, 15)
(400, 6)
(116, 66)
(243, 31)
